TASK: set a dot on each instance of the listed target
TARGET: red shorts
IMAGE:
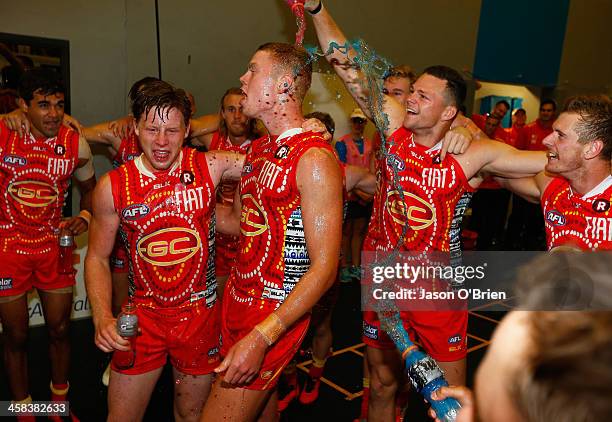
(277, 357)
(119, 257)
(19, 273)
(226, 249)
(189, 335)
(443, 334)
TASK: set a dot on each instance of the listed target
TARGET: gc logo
(412, 209)
(32, 193)
(253, 217)
(170, 246)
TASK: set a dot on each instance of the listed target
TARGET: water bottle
(127, 327)
(66, 246)
(424, 373)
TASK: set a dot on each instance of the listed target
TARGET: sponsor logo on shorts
(32, 193)
(135, 211)
(266, 375)
(15, 160)
(370, 331)
(169, 246)
(455, 343)
(555, 218)
(6, 283)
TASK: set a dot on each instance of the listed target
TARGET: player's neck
(546, 124)
(237, 140)
(283, 118)
(588, 178)
(430, 136)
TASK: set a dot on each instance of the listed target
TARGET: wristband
(271, 328)
(317, 9)
(85, 215)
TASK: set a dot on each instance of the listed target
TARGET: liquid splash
(297, 8)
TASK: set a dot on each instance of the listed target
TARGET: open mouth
(552, 156)
(161, 155)
(410, 110)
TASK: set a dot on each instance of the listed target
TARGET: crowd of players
(228, 253)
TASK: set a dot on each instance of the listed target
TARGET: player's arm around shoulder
(529, 188)
(224, 165)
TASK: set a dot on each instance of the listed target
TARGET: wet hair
(554, 104)
(139, 84)
(455, 84)
(41, 81)
(294, 60)
(325, 118)
(252, 132)
(595, 121)
(163, 97)
(401, 71)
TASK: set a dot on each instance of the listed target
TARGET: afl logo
(15, 160)
(135, 211)
(412, 209)
(170, 246)
(60, 150)
(555, 218)
(282, 152)
(32, 193)
(396, 163)
(130, 157)
(253, 221)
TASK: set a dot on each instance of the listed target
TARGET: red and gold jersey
(34, 176)
(167, 225)
(129, 148)
(272, 255)
(419, 201)
(584, 221)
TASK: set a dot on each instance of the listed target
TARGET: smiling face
(161, 134)
(45, 113)
(260, 85)
(547, 112)
(565, 152)
(426, 103)
(398, 88)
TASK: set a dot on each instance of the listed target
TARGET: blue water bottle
(424, 373)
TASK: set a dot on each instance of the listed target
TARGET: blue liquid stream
(446, 410)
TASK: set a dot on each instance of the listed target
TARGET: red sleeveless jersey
(34, 176)
(272, 256)
(167, 225)
(585, 221)
(419, 201)
(129, 148)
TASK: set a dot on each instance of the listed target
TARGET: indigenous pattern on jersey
(34, 176)
(167, 224)
(273, 255)
(226, 245)
(584, 221)
(129, 149)
(419, 201)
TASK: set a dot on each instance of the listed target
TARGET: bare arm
(530, 188)
(85, 178)
(104, 226)
(102, 134)
(224, 165)
(360, 178)
(202, 129)
(365, 94)
(228, 217)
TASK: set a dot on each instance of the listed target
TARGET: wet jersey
(585, 221)
(419, 201)
(35, 177)
(272, 256)
(129, 148)
(167, 224)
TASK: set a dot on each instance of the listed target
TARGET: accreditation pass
(35, 408)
